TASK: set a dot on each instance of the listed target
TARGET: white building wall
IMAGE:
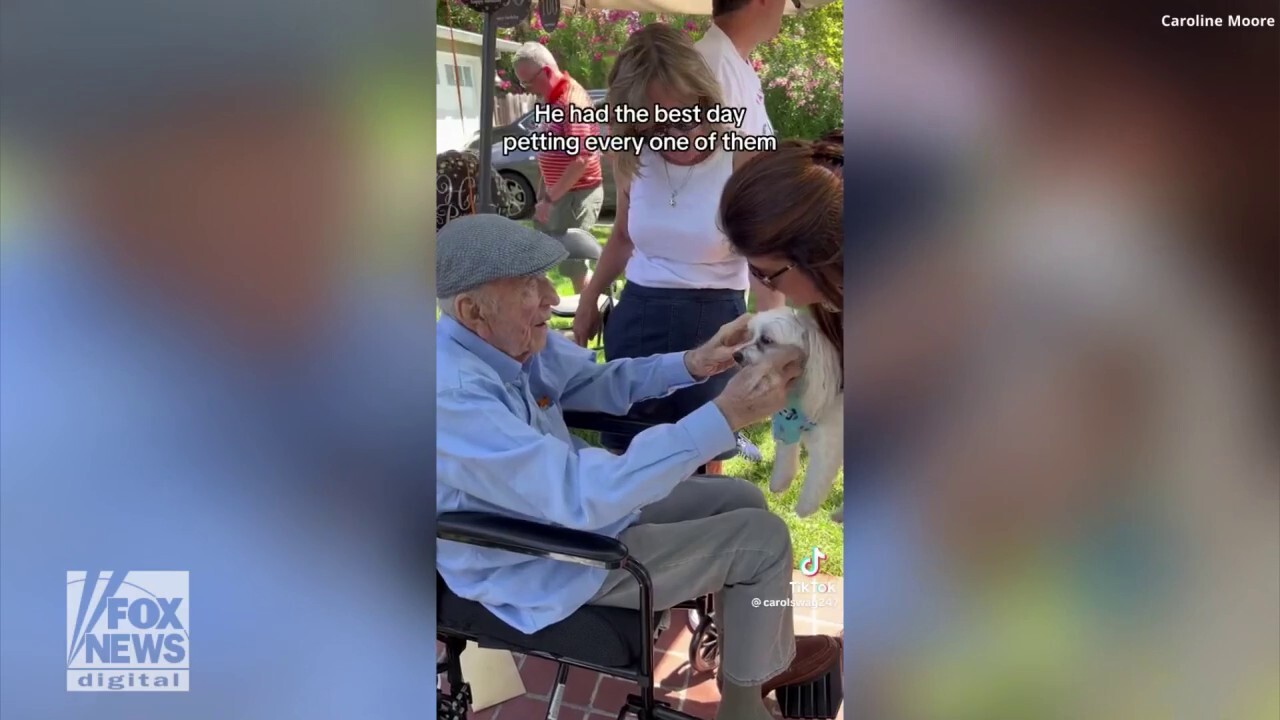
(457, 100)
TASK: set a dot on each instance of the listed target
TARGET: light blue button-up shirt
(503, 447)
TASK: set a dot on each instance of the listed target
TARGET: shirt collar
(560, 88)
(503, 364)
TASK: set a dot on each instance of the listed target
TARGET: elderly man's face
(513, 316)
(535, 78)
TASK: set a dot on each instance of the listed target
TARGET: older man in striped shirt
(572, 185)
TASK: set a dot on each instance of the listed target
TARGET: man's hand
(760, 390)
(542, 211)
(716, 355)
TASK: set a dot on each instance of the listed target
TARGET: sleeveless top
(681, 246)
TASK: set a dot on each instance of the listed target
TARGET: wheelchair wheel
(704, 647)
(703, 610)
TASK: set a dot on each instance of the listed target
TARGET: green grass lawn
(817, 530)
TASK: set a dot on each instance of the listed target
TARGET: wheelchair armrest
(531, 538)
(601, 422)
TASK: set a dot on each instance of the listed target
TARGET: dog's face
(775, 328)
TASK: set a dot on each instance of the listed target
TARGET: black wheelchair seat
(602, 636)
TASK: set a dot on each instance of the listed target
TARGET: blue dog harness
(789, 423)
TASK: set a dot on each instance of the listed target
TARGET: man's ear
(468, 310)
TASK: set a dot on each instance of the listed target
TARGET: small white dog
(815, 413)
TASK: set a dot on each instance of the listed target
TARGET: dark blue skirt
(650, 321)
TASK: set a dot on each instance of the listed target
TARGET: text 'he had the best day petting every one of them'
(682, 118)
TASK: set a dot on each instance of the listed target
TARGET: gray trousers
(715, 535)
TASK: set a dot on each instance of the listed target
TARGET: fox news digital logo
(127, 631)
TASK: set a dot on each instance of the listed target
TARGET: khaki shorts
(577, 209)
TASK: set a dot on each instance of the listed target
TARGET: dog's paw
(838, 514)
(780, 480)
(805, 509)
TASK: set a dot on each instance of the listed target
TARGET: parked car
(519, 170)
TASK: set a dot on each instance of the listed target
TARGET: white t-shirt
(680, 245)
(738, 81)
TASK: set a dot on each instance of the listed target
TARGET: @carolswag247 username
(794, 602)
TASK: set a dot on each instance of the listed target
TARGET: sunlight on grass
(817, 530)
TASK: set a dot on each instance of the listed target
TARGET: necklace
(666, 167)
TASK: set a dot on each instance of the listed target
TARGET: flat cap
(477, 249)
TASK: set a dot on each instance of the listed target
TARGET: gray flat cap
(477, 249)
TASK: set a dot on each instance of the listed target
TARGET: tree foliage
(801, 70)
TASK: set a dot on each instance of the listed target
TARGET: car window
(604, 127)
(527, 124)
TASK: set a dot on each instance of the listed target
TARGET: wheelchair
(612, 641)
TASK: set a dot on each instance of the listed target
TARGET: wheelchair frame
(470, 528)
(816, 699)
(484, 530)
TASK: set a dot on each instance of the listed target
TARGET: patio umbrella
(489, 58)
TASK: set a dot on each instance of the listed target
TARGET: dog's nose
(738, 357)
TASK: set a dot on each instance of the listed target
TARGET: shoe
(816, 655)
(748, 450)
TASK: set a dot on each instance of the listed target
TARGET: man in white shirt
(737, 27)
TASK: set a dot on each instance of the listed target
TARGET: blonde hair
(663, 55)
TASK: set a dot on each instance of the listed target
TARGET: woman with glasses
(784, 213)
(683, 279)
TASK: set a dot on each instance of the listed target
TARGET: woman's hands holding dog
(716, 355)
(760, 389)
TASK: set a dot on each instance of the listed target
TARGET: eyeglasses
(770, 279)
(683, 127)
(665, 128)
(526, 82)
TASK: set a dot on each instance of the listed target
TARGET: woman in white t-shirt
(683, 279)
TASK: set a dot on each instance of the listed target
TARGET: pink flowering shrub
(584, 42)
(804, 101)
(802, 74)
(800, 70)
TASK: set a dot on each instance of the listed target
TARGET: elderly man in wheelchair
(559, 550)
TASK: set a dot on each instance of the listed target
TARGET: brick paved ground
(594, 697)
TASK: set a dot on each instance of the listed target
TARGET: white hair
(483, 296)
(448, 306)
(538, 54)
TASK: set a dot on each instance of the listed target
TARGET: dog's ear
(807, 336)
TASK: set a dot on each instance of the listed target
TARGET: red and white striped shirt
(552, 165)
